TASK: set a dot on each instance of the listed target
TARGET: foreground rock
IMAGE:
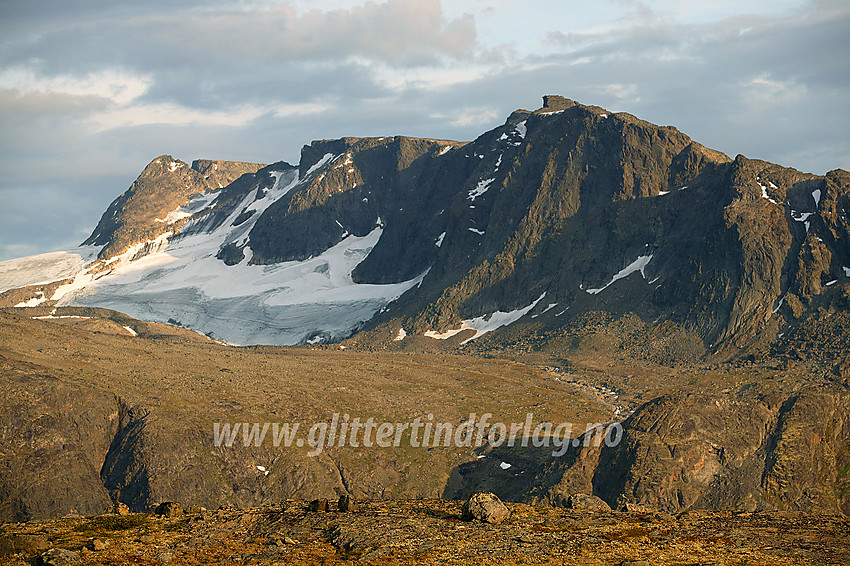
(60, 557)
(431, 532)
(485, 507)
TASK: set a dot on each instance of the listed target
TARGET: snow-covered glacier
(178, 279)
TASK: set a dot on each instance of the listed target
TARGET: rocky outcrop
(53, 437)
(745, 452)
(141, 214)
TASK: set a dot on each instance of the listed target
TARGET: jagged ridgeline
(557, 213)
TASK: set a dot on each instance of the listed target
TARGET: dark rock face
(559, 201)
(388, 182)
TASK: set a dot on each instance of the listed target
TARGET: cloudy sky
(93, 90)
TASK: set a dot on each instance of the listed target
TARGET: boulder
(344, 503)
(318, 505)
(485, 507)
(97, 544)
(60, 557)
(586, 502)
(169, 509)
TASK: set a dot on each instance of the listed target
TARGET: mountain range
(574, 263)
(558, 212)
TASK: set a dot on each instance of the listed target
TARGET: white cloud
(429, 78)
(306, 108)
(764, 89)
(617, 90)
(115, 85)
(469, 116)
(171, 114)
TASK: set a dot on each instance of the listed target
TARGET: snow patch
(521, 129)
(477, 231)
(486, 323)
(401, 335)
(444, 151)
(320, 163)
(283, 183)
(550, 307)
(816, 195)
(504, 465)
(480, 189)
(131, 331)
(779, 304)
(174, 216)
(764, 191)
(802, 217)
(44, 268)
(440, 238)
(33, 302)
(197, 203)
(637, 265)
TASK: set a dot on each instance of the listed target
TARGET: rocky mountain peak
(555, 103)
(556, 213)
(149, 208)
